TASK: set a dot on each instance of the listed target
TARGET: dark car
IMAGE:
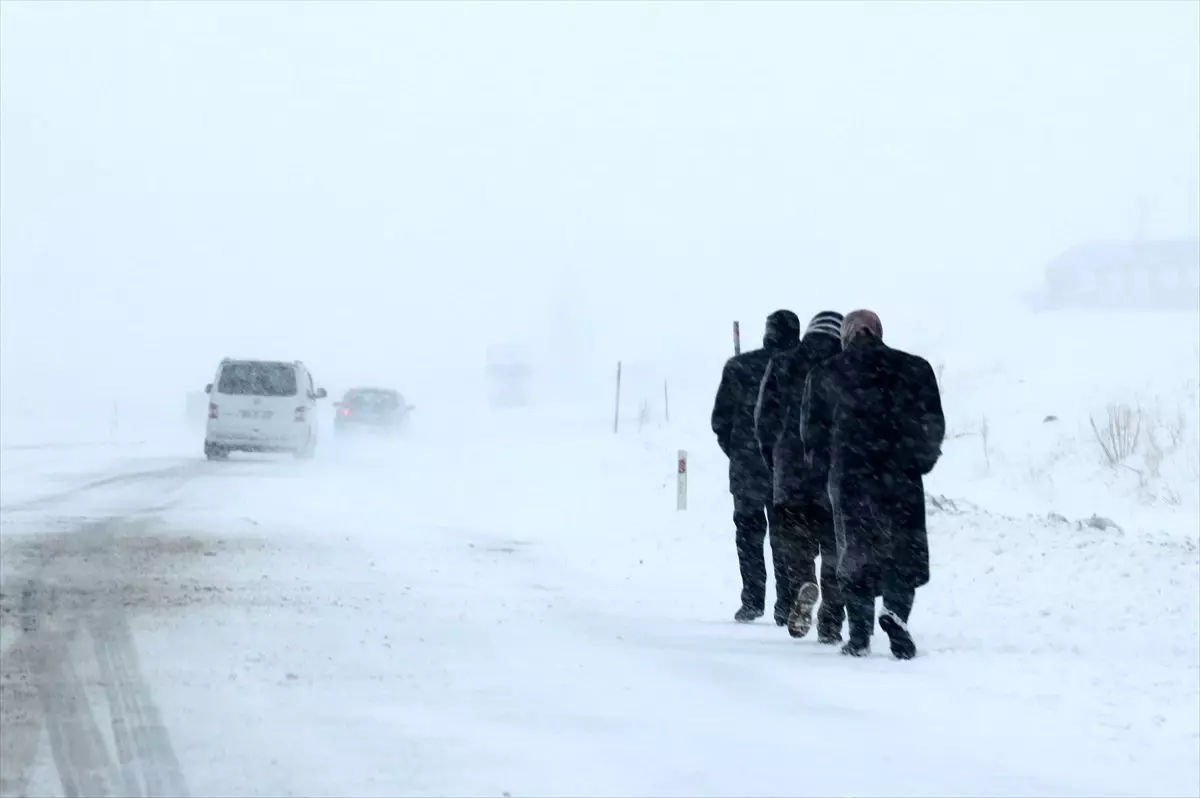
(379, 409)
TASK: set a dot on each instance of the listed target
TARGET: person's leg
(750, 523)
(897, 606)
(783, 519)
(832, 613)
(858, 570)
(859, 597)
(899, 601)
(804, 572)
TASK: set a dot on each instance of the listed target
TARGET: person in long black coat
(877, 413)
(749, 476)
(801, 500)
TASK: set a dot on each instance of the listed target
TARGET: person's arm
(724, 407)
(767, 421)
(927, 410)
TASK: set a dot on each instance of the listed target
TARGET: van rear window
(258, 379)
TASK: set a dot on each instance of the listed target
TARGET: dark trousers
(806, 532)
(752, 521)
(860, 600)
(865, 525)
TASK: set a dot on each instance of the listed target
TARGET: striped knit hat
(827, 322)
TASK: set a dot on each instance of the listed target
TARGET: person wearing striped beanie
(799, 496)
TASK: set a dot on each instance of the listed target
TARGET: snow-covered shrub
(1119, 432)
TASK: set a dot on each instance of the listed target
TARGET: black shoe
(747, 614)
(903, 646)
(829, 625)
(780, 618)
(856, 648)
(799, 620)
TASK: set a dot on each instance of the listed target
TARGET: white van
(261, 406)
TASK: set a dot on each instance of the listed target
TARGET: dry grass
(1119, 432)
(1146, 442)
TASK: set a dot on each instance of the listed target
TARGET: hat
(827, 322)
(783, 330)
(861, 321)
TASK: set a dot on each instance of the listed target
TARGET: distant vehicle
(376, 409)
(261, 406)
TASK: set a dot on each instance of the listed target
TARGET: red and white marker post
(681, 482)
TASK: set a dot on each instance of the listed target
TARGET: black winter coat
(777, 420)
(733, 409)
(873, 417)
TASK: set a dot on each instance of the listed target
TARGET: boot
(857, 648)
(829, 624)
(747, 614)
(903, 646)
(799, 620)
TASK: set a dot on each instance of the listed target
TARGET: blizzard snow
(508, 603)
(519, 609)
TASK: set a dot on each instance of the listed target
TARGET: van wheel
(307, 453)
(214, 452)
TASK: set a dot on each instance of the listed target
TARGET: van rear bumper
(248, 443)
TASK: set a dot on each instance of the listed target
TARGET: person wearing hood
(799, 494)
(876, 413)
(749, 476)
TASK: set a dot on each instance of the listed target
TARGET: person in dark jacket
(749, 477)
(799, 495)
(877, 414)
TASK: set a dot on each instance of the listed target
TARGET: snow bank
(1022, 390)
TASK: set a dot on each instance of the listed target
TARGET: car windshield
(258, 379)
(372, 399)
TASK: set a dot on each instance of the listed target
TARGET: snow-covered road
(528, 615)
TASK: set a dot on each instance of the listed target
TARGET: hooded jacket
(733, 408)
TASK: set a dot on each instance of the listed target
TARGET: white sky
(354, 184)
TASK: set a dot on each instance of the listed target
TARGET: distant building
(1134, 275)
(509, 373)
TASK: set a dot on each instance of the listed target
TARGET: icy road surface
(528, 615)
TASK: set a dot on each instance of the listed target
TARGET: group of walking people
(829, 432)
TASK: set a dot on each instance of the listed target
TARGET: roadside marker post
(681, 481)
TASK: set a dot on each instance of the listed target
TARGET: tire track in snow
(179, 473)
(76, 744)
(148, 762)
(43, 686)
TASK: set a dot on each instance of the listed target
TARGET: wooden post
(617, 405)
(737, 339)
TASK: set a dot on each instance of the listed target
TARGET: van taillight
(212, 410)
(301, 413)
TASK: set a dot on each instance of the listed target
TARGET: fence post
(737, 339)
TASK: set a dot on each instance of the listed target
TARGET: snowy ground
(518, 608)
